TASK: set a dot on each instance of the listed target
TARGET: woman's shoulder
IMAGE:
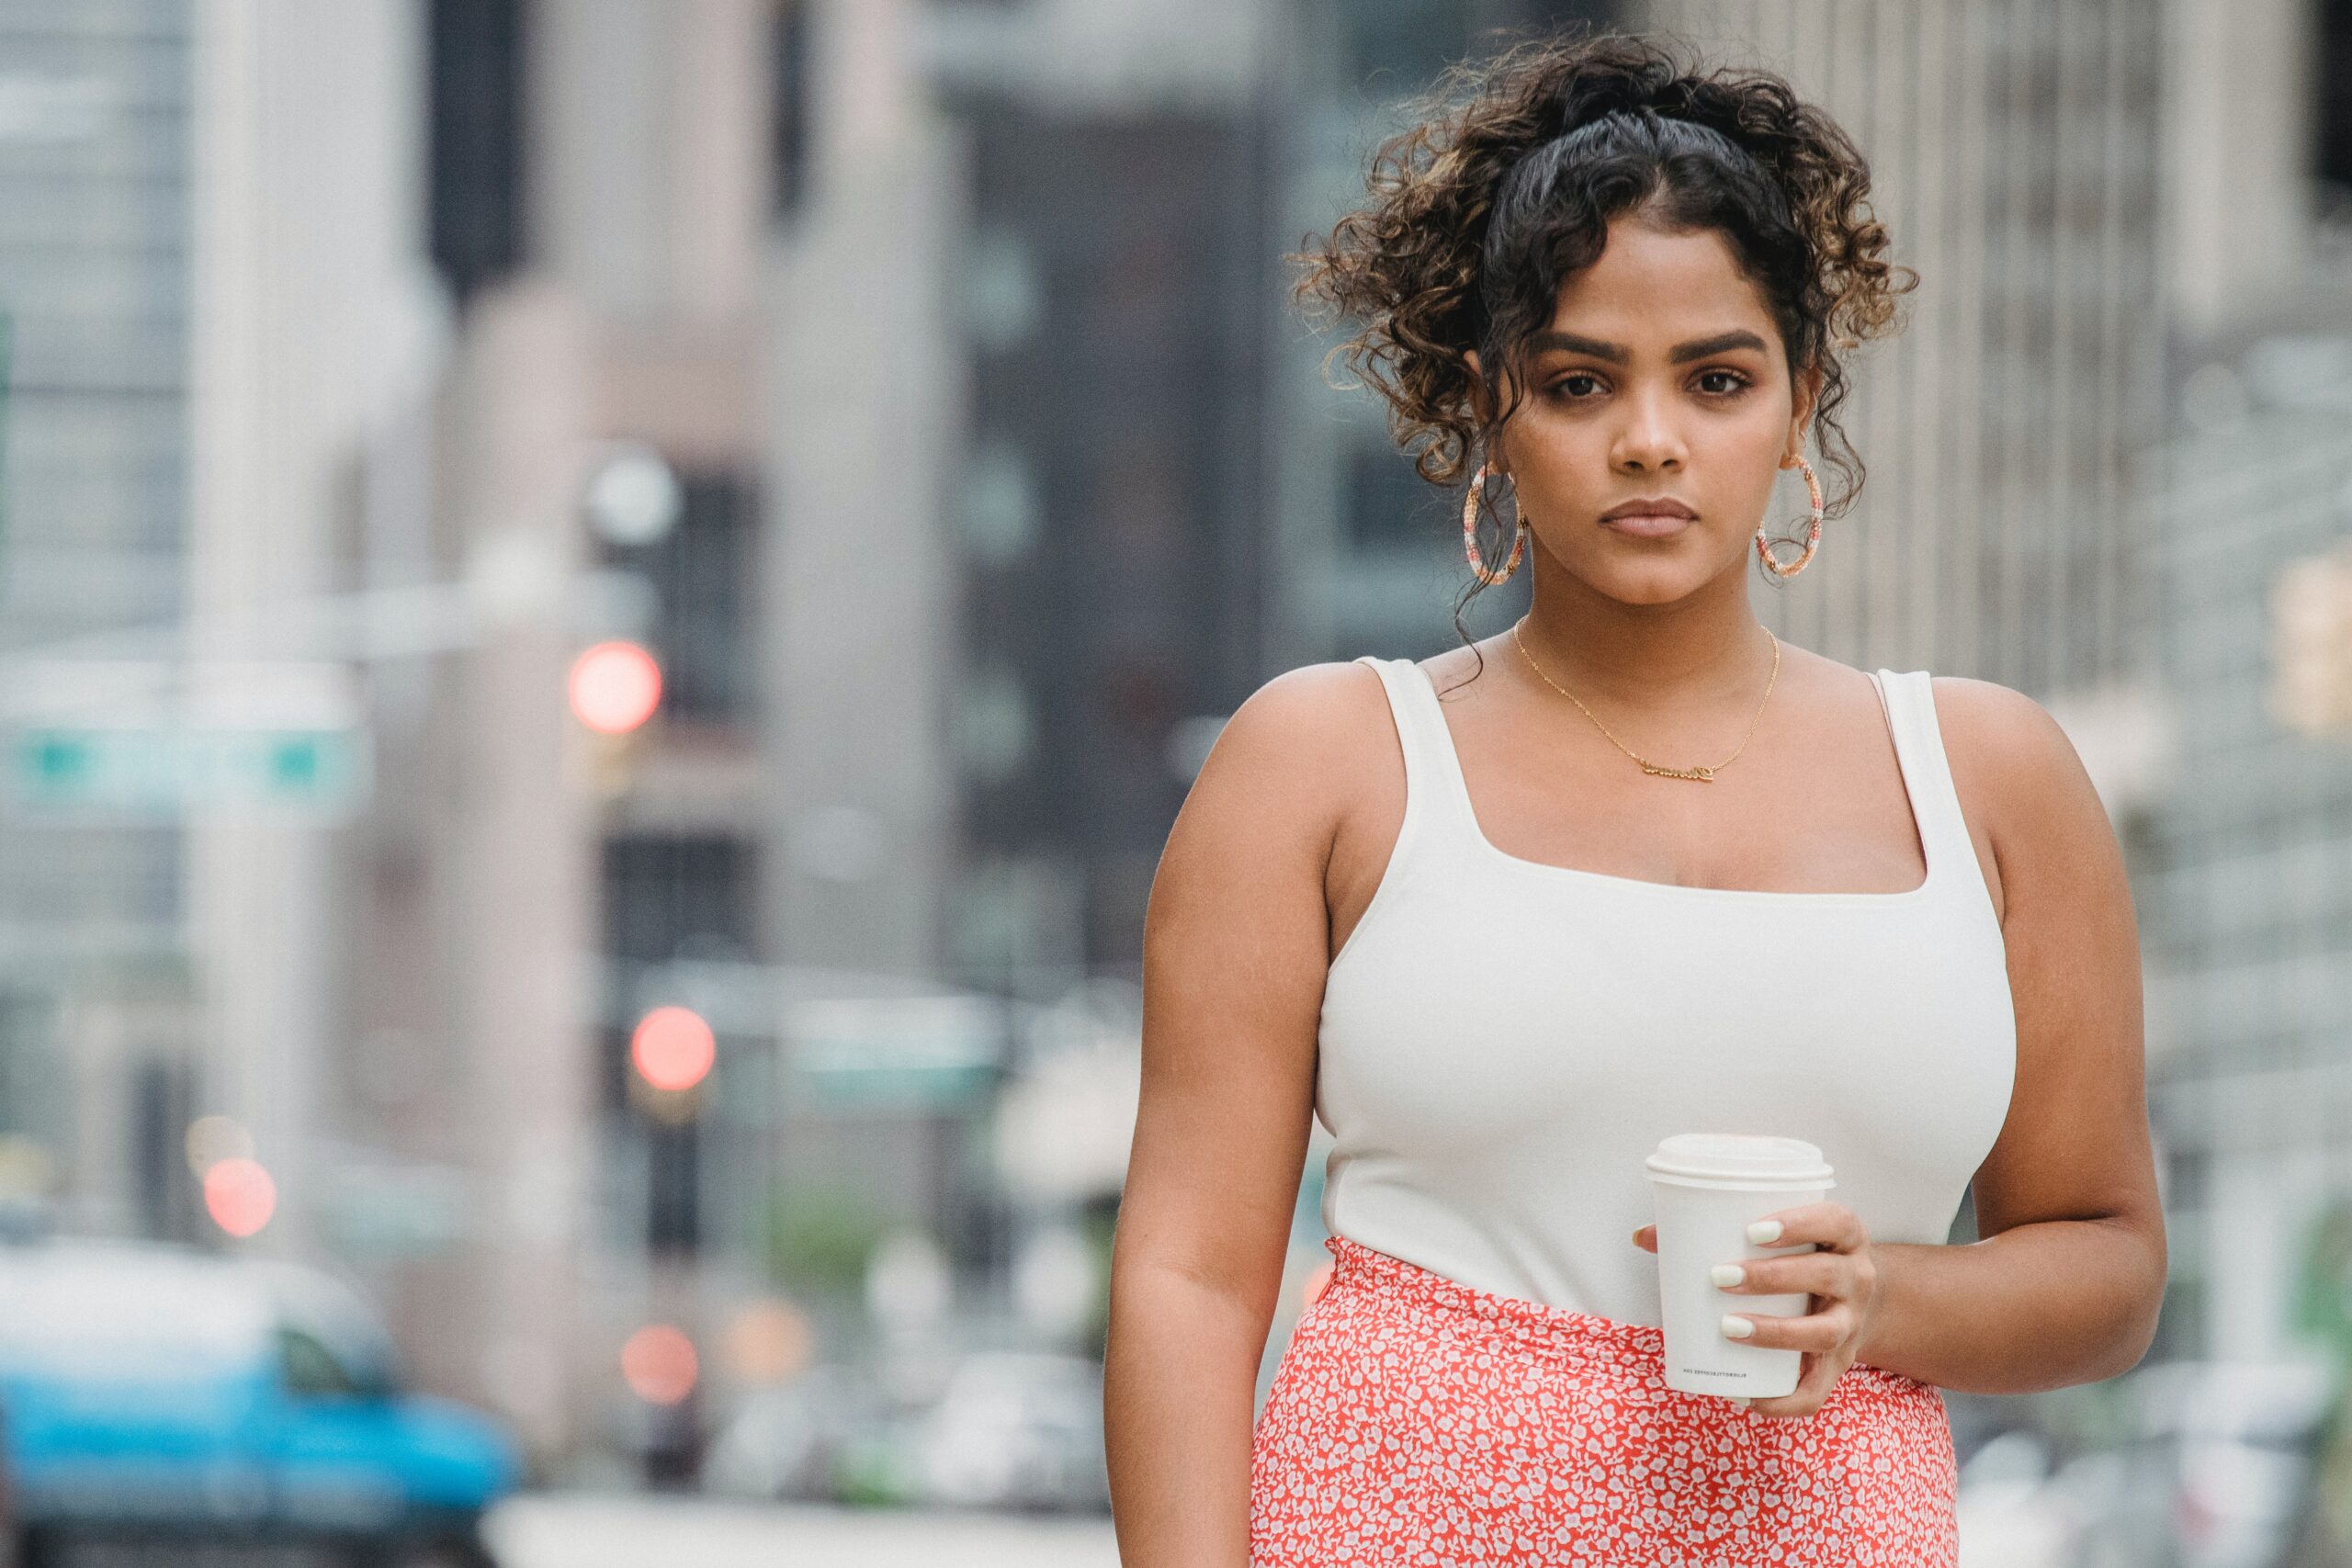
(1301, 732)
(2015, 769)
(1286, 769)
(1998, 731)
(1309, 718)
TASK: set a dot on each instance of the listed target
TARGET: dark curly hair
(1506, 185)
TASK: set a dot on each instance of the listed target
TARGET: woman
(1633, 867)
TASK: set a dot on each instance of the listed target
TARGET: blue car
(159, 1395)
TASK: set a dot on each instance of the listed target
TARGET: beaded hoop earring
(1470, 534)
(1812, 533)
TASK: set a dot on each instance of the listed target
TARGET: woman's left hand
(1840, 1279)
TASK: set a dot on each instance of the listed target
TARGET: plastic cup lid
(1741, 1158)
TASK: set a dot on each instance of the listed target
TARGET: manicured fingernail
(1742, 1400)
(1637, 1236)
(1763, 1233)
(1738, 1327)
(1726, 1274)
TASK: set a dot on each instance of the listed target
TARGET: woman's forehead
(1652, 291)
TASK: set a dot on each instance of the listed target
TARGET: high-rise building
(2249, 910)
(99, 1029)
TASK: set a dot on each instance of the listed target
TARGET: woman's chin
(1659, 583)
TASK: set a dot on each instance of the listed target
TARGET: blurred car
(786, 1443)
(2019, 1506)
(2214, 1467)
(11, 1528)
(164, 1403)
(1013, 1430)
(2236, 1446)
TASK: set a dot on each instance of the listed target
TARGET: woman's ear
(1808, 392)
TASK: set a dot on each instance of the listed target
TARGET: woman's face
(1661, 375)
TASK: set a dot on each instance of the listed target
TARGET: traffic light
(673, 1048)
(671, 1052)
(615, 687)
(240, 1196)
(659, 1364)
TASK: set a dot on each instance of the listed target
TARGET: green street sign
(112, 770)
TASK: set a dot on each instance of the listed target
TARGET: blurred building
(2251, 907)
(100, 1039)
(2249, 501)
(598, 200)
(917, 381)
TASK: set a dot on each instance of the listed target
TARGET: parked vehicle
(164, 1402)
(786, 1443)
(2235, 1443)
(2213, 1467)
(1014, 1429)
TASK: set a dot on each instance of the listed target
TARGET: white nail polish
(1726, 1274)
(1738, 1327)
(1764, 1233)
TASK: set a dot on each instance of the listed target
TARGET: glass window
(309, 1368)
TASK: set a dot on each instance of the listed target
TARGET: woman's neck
(1661, 657)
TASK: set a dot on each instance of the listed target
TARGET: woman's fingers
(1821, 1331)
(1839, 1279)
(1817, 1375)
(1832, 1226)
(1815, 1273)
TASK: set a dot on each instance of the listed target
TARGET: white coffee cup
(1709, 1186)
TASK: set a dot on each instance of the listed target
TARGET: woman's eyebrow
(1618, 353)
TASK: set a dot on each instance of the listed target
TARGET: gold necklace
(1705, 775)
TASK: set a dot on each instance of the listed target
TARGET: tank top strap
(1926, 774)
(1434, 787)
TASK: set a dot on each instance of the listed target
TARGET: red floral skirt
(1416, 1420)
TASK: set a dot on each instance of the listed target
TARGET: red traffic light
(240, 1196)
(615, 687)
(659, 1364)
(673, 1048)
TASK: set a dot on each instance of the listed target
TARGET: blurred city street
(605, 607)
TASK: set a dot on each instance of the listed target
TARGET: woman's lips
(1648, 524)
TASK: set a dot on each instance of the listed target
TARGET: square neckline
(1490, 851)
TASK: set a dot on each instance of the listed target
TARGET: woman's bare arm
(1235, 945)
(2065, 1286)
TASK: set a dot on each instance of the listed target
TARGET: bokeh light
(768, 1342)
(673, 1049)
(659, 1364)
(239, 1195)
(616, 686)
(1311, 1289)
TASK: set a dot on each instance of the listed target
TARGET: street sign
(165, 770)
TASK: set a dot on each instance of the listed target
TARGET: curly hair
(1506, 186)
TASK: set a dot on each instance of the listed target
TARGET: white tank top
(1504, 1041)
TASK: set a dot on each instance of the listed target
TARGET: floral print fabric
(1416, 1420)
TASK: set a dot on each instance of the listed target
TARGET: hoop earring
(1812, 533)
(1470, 534)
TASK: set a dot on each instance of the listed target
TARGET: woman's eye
(1733, 376)
(1563, 384)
